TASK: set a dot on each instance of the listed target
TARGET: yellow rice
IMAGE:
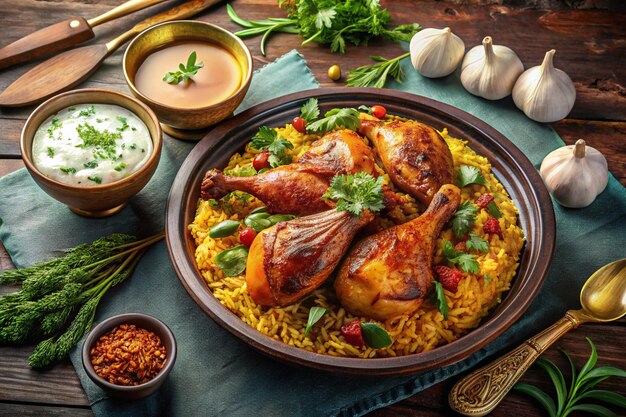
(423, 330)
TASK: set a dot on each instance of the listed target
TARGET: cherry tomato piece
(379, 111)
(352, 333)
(261, 160)
(299, 123)
(247, 235)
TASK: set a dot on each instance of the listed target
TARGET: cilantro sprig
(185, 71)
(467, 262)
(464, 218)
(346, 117)
(582, 387)
(356, 193)
(267, 138)
(438, 298)
(477, 243)
(470, 175)
(310, 111)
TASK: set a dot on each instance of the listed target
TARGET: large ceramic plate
(513, 169)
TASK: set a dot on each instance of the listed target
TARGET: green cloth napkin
(215, 373)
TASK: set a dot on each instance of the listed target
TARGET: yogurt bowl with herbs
(92, 149)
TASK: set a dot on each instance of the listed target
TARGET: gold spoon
(603, 298)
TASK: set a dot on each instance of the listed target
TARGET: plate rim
(441, 356)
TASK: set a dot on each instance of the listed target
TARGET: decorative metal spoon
(603, 298)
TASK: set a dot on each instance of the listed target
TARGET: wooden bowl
(511, 167)
(143, 321)
(98, 200)
(159, 36)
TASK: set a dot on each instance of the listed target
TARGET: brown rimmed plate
(511, 167)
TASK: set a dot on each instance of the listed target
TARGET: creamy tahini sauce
(88, 145)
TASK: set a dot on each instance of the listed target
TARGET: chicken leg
(297, 188)
(414, 155)
(389, 273)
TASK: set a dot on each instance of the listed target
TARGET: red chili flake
(461, 246)
(449, 277)
(484, 200)
(492, 227)
(352, 333)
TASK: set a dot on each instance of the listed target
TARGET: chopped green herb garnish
(102, 142)
(71, 109)
(133, 146)
(68, 170)
(439, 299)
(99, 120)
(486, 278)
(470, 175)
(133, 128)
(375, 336)
(493, 209)
(315, 314)
(466, 261)
(97, 180)
(55, 125)
(347, 118)
(50, 152)
(91, 164)
(120, 167)
(88, 111)
(267, 138)
(143, 150)
(185, 72)
(310, 111)
(124, 124)
(355, 193)
(477, 243)
(464, 218)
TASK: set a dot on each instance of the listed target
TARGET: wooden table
(591, 48)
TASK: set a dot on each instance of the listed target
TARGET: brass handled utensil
(71, 67)
(603, 299)
(63, 35)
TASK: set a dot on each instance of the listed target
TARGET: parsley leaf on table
(355, 193)
(185, 71)
(464, 218)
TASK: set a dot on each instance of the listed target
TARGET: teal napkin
(215, 373)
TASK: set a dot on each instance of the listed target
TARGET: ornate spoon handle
(480, 392)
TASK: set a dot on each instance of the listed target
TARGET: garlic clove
(544, 93)
(490, 71)
(575, 175)
(436, 52)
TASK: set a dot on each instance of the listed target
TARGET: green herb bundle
(328, 22)
(58, 299)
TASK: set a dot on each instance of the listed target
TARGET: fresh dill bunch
(54, 290)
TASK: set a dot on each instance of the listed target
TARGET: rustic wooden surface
(591, 48)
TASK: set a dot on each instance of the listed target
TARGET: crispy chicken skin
(388, 274)
(414, 155)
(297, 188)
(291, 259)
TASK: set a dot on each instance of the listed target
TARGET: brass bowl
(98, 200)
(159, 36)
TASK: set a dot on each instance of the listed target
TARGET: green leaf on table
(594, 409)
(375, 336)
(606, 396)
(558, 380)
(315, 314)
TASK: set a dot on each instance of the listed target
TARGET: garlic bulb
(490, 71)
(436, 52)
(544, 93)
(575, 174)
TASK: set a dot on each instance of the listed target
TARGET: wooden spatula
(71, 67)
(63, 35)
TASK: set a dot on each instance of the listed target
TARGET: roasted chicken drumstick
(297, 188)
(414, 155)
(388, 274)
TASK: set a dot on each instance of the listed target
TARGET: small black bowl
(143, 321)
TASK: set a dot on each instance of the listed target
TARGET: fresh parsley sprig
(464, 218)
(375, 75)
(438, 298)
(356, 193)
(310, 111)
(467, 262)
(582, 387)
(185, 71)
(267, 138)
(468, 174)
(477, 243)
(346, 117)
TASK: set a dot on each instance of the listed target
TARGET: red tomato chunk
(449, 277)
(352, 333)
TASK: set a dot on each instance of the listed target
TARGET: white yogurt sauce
(89, 145)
